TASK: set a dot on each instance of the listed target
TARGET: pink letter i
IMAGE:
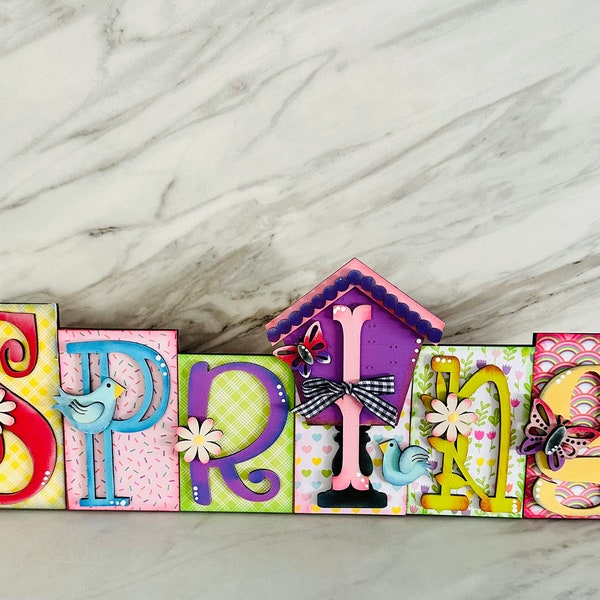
(350, 486)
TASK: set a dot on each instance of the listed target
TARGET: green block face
(248, 399)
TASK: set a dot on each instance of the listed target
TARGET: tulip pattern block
(470, 405)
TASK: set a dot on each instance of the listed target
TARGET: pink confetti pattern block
(146, 465)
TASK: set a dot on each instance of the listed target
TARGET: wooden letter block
(236, 434)
(31, 437)
(470, 406)
(119, 401)
(563, 434)
(353, 342)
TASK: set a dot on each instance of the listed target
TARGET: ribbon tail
(313, 407)
(380, 408)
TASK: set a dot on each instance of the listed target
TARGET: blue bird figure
(93, 412)
(401, 467)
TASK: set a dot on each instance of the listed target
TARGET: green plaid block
(239, 405)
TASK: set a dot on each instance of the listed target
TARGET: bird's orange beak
(384, 445)
(119, 389)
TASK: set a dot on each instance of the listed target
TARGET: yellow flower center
(198, 440)
(453, 417)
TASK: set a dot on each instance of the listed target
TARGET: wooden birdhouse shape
(353, 343)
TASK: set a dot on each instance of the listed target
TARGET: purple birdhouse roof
(355, 274)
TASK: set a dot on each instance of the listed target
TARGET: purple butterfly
(311, 349)
(556, 437)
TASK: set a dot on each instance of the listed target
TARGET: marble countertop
(200, 165)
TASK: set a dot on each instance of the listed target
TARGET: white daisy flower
(198, 440)
(452, 418)
(6, 406)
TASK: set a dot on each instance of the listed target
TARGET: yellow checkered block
(35, 422)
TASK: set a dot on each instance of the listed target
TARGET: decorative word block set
(353, 413)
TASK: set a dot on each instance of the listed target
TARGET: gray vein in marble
(203, 165)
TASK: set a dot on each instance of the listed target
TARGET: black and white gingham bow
(321, 393)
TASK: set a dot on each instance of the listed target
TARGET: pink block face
(131, 437)
(563, 477)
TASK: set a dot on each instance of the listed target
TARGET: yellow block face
(29, 378)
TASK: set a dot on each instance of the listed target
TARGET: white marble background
(199, 165)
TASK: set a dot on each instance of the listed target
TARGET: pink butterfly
(558, 438)
(302, 356)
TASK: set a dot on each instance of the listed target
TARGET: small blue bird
(93, 412)
(401, 467)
